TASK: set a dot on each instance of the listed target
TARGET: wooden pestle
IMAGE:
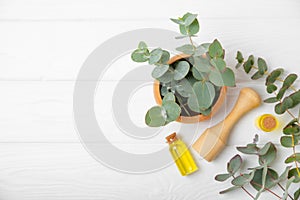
(214, 139)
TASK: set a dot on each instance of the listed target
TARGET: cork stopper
(171, 138)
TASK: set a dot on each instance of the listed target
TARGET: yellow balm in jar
(267, 122)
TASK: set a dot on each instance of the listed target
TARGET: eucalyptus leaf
(271, 88)
(168, 97)
(159, 71)
(288, 141)
(202, 64)
(293, 158)
(142, 45)
(139, 56)
(249, 149)
(267, 154)
(198, 75)
(234, 164)
(156, 116)
(194, 27)
(201, 49)
(167, 77)
(173, 110)
(272, 77)
(230, 189)
(248, 64)
(289, 80)
(189, 19)
(218, 63)
(178, 21)
(256, 75)
(297, 194)
(186, 49)
(241, 180)
(222, 177)
(204, 93)
(164, 90)
(184, 88)
(239, 57)
(155, 55)
(181, 70)
(269, 182)
(215, 49)
(262, 66)
(271, 100)
(164, 57)
(225, 78)
(294, 172)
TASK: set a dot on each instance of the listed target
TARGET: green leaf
(271, 88)
(155, 55)
(189, 19)
(295, 97)
(222, 177)
(267, 154)
(264, 150)
(262, 66)
(256, 75)
(156, 116)
(269, 181)
(218, 63)
(239, 57)
(271, 78)
(173, 110)
(186, 49)
(184, 88)
(289, 80)
(168, 97)
(234, 164)
(167, 77)
(291, 129)
(202, 49)
(226, 78)
(288, 141)
(159, 71)
(142, 45)
(281, 92)
(198, 75)
(139, 56)
(241, 180)
(249, 149)
(284, 175)
(181, 70)
(229, 189)
(238, 65)
(248, 64)
(294, 172)
(280, 108)
(181, 36)
(215, 49)
(204, 94)
(178, 21)
(194, 27)
(288, 184)
(164, 57)
(202, 64)
(164, 90)
(271, 100)
(297, 194)
(293, 158)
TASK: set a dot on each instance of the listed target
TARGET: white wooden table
(43, 45)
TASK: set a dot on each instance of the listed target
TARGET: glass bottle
(181, 155)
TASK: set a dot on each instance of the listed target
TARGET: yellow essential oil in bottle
(181, 155)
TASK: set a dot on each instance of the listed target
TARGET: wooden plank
(66, 171)
(56, 50)
(134, 9)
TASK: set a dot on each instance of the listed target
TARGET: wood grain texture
(43, 45)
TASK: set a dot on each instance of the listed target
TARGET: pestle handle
(214, 139)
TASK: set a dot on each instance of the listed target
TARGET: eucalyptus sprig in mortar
(190, 85)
